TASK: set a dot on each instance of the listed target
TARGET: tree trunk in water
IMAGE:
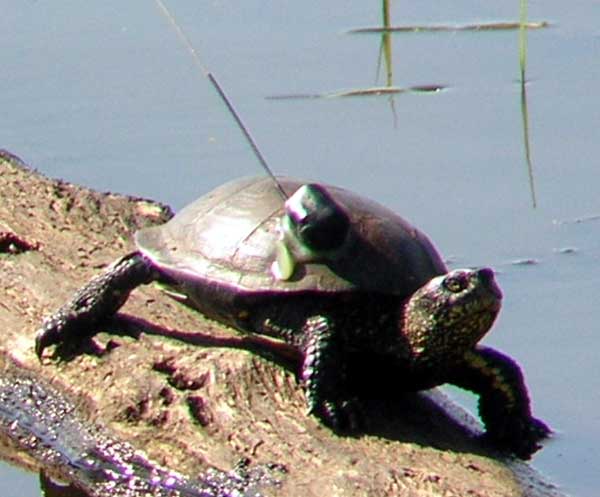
(191, 393)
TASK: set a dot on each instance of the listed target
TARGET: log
(191, 393)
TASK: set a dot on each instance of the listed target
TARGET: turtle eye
(456, 283)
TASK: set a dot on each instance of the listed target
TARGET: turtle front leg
(504, 404)
(323, 374)
(102, 297)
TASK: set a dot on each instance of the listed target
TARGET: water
(15, 482)
(103, 95)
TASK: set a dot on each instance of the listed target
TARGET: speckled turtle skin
(387, 300)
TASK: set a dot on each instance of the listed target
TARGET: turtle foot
(50, 333)
(342, 416)
(101, 298)
(520, 436)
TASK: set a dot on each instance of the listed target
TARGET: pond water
(103, 94)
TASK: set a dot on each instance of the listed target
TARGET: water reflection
(385, 56)
(524, 111)
(491, 26)
(385, 63)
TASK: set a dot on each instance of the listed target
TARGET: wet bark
(191, 393)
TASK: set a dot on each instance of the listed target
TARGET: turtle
(345, 281)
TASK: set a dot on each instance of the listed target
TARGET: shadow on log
(192, 394)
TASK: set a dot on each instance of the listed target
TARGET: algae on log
(191, 393)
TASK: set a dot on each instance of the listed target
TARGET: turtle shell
(227, 238)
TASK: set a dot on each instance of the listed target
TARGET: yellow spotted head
(450, 314)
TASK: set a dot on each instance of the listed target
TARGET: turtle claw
(539, 429)
(49, 334)
(41, 342)
(60, 327)
(99, 299)
(342, 416)
(521, 436)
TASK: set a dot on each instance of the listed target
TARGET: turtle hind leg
(504, 404)
(100, 298)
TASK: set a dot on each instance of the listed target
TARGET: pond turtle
(347, 282)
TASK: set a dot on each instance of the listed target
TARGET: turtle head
(314, 227)
(450, 314)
